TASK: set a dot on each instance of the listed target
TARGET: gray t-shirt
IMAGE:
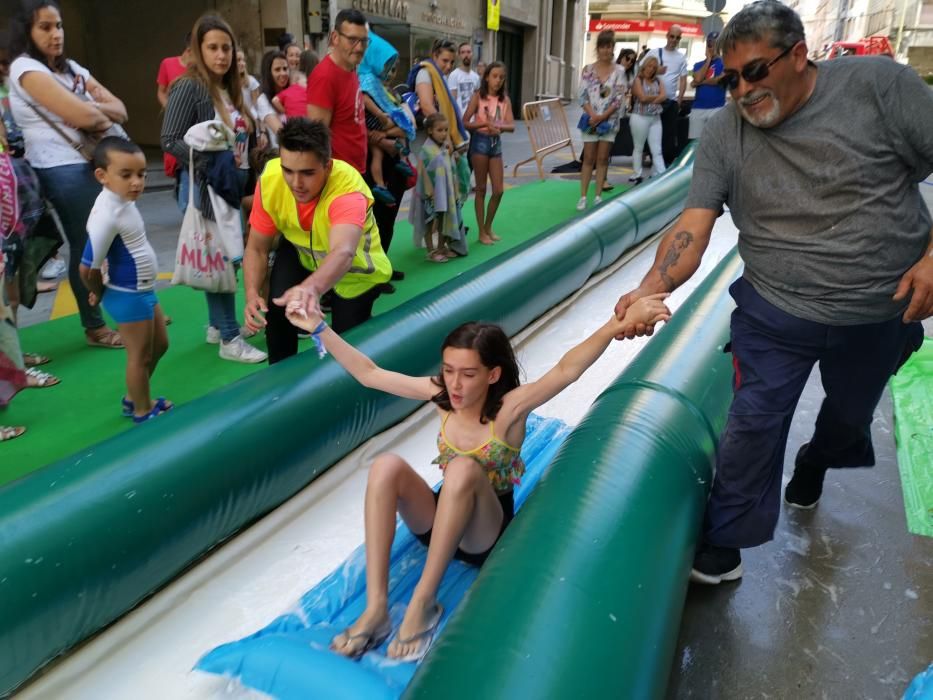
(827, 203)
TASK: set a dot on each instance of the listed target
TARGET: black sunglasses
(752, 72)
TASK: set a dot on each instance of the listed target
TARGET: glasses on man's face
(355, 40)
(752, 72)
(674, 36)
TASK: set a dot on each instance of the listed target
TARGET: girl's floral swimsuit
(502, 462)
(503, 465)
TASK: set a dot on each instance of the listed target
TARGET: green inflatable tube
(584, 593)
(84, 540)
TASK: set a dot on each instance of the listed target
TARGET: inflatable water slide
(216, 551)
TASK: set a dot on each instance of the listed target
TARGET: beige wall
(921, 58)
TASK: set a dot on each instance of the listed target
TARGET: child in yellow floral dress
(483, 409)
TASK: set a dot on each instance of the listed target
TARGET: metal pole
(900, 29)
(332, 12)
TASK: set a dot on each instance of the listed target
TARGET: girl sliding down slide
(483, 410)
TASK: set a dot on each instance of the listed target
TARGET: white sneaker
(213, 334)
(581, 205)
(238, 350)
(53, 269)
(597, 200)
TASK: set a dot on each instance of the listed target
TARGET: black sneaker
(806, 486)
(386, 288)
(712, 564)
(397, 275)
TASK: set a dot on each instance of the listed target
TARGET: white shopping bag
(201, 260)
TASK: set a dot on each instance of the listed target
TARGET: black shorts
(507, 501)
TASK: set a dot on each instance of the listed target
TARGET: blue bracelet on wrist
(316, 338)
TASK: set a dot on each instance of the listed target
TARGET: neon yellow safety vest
(370, 264)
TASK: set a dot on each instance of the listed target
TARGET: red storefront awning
(640, 26)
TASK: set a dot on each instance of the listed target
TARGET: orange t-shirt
(348, 208)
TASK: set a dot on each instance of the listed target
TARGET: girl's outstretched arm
(519, 402)
(361, 367)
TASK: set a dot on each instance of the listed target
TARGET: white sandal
(41, 380)
(8, 432)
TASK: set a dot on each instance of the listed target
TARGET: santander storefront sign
(643, 26)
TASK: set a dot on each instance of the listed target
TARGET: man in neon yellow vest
(323, 209)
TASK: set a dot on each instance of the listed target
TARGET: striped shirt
(189, 103)
(115, 232)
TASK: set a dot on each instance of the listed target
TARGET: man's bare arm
(678, 257)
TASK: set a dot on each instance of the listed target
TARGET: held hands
(637, 313)
(302, 307)
(919, 279)
(300, 318)
(93, 299)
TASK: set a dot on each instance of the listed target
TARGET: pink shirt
(294, 100)
(169, 69)
(491, 110)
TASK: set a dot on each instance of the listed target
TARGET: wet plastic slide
(90, 537)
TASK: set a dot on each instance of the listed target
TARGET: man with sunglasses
(820, 165)
(672, 71)
(334, 95)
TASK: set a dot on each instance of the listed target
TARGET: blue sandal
(161, 406)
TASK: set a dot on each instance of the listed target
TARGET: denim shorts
(486, 145)
(130, 307)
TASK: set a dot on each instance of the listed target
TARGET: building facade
(645, 23)
(908, 24)
(122, 44)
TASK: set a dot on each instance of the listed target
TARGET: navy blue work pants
(773, 353)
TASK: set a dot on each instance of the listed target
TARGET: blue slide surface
(289, 658)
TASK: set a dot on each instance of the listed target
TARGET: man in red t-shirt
(334, 95)
(170, 69)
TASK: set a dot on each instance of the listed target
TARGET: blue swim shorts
(130, 307)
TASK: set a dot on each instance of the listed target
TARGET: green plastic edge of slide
(583, 595)
(86, 539)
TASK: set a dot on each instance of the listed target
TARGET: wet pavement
(838, 605)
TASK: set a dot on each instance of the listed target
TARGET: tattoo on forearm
(682, 241)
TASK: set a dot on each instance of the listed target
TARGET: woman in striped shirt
(209, 90)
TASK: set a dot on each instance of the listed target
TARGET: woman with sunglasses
(648, 98)
(52, 98)
(602, 94)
